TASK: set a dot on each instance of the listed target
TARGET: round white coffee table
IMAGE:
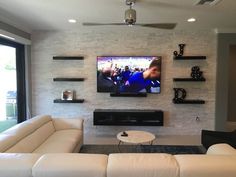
(136, 137)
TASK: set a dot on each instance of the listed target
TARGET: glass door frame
(20, 77)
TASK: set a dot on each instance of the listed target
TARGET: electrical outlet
(197, 119)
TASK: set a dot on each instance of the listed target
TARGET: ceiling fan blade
(159, 25)
(151, 25)
(101, 24)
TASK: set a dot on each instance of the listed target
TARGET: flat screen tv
(131, 74)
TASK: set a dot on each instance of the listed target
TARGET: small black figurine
(181, 50)
(180, 95)
(196, 73)
(124, 134)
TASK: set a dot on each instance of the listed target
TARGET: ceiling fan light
(191, 20)
(130, 17)
(72, 20)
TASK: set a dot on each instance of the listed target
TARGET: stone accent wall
(93, 42)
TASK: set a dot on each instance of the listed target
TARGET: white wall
(179, 119)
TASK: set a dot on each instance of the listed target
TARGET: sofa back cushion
(12, 136)
(33, 140)
(70, 165)
(142, 165)
(207, 165)
(17, 165)
(68, 123)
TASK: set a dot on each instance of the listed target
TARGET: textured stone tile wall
(93, 42)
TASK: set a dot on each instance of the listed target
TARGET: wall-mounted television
(132, 74)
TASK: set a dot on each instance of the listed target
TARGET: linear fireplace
(128, 117)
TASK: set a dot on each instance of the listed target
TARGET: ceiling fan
(130, 20)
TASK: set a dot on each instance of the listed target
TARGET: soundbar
(124, 94)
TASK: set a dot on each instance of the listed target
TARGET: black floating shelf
(68, 101)
(128, 94)
(189, 80)
(68, 79)
(68, 58)
(189, 102)
(189, 57)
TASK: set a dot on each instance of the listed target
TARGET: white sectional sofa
(40, 160)
(120, 165)
(43, 134)
(220, 161)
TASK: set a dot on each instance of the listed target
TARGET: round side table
(135, 137)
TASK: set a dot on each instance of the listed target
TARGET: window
(12, 80)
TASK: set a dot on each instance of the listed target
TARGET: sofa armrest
(221, 149)
(68, 123)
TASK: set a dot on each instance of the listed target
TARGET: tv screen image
(131, 74)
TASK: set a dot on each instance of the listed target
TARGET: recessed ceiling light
(191, 20)
(8, 37)
(72, 21)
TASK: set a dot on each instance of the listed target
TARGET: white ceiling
(53, 14)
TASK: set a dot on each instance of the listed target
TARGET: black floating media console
(68, 58)
(128, 117)
(68, 79)
(124, 94)
(189, 80)
(189, 102)
(68, 101)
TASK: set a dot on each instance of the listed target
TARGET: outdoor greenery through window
(8, 89)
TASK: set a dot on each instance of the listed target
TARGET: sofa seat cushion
(71, 165)
(17, 165)
(142, 165)
(63, 141)
(207, 165)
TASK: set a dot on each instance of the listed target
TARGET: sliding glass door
(12, 84)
